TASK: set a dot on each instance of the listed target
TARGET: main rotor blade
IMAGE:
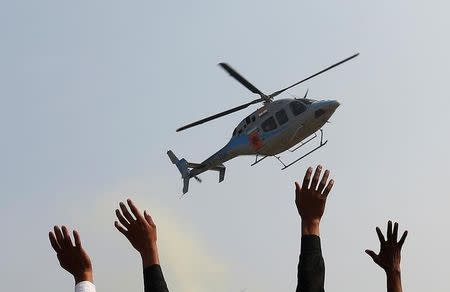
(213, 117)
(314, 75)
(241, 79)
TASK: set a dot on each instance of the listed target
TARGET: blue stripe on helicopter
(243, 138)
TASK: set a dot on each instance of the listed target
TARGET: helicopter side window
(297, 107)
(282, 117)
(247, 120)
(253, 118)
(269, 125)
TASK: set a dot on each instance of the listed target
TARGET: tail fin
(182, 166)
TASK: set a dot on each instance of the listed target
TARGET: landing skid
(304, 143)
(322, 143)
(258, 160)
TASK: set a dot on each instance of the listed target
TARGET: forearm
(153, 276)
(394, 281)
(311, 266)
(154, 279)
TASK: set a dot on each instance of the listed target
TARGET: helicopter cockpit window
(281, 116)
(297, 107)
(269, 125)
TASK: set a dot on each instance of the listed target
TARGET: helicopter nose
(333, 105)
(326, 107)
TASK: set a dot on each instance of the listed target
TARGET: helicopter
(279, 125)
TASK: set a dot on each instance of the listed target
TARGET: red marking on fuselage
(255, 141)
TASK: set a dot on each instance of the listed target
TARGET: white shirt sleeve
(85, 286)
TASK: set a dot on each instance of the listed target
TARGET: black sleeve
(154, 279)
(311, 267)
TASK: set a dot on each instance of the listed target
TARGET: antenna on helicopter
(296, 97)
(306, 93)
(263, 97)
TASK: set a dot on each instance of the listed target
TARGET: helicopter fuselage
(272, 129)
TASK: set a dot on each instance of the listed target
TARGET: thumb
(372, 254)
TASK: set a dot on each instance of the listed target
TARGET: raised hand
(140, 231)
(310, 199)
(389, 256)
(72, 258)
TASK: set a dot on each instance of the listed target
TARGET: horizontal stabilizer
(194, 165)
(221, 169)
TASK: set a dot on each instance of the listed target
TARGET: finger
(122, 219)
(297, 191)
(323, 182)
(149, 219)
(380, 235)
(395, 233)
(125, 212)
(76, 236)
(59, 236)
(402, 240)
(389, 231)
(328, 188)
(316, 177)
(372, 254)
(135, 210)
(67, 239)
(121, 229)
(307, 178)
(54, 242)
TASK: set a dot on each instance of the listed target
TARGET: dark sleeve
(311, 267)
(154, 279)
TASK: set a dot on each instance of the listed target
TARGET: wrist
(311, 227)
(394, 280)
(150, 256)
(393, 273)
(84, 276)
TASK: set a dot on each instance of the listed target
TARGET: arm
(389, 256)
(73, 259)
(141, 232)
(310, 201)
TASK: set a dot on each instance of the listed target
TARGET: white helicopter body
(270, 130)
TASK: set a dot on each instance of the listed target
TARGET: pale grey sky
(92, 92)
